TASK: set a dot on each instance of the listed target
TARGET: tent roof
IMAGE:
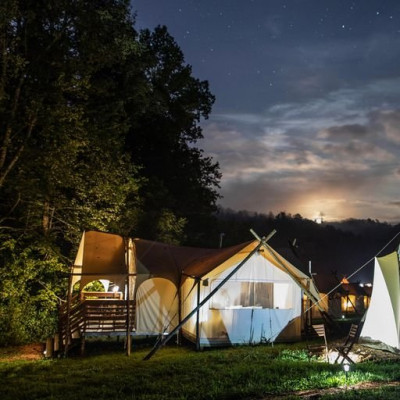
(103, 255)
(169, 261)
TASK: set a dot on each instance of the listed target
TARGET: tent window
(239, 294)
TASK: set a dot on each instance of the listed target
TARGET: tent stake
(163, 341)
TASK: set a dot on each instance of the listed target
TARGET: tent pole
(204, 301)
(179, 338)
(309, 294)
(198, 316)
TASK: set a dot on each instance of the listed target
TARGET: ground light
(346, 369)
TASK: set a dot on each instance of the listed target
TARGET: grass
(181, 373)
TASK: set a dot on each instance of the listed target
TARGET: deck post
(83, 342)
(198, 316)
(67, 327)
(128, 305)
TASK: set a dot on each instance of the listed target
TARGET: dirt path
(316, 394)
(29, 352)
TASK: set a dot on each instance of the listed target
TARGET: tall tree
(63, 167)
(97, 124)
(61, 109)
(163, 138)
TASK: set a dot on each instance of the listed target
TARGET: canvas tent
(262, 301)
(382, 321)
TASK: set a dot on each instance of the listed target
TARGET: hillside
(333, 248)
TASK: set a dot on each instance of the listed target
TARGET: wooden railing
(101, 295)
(107, 315)
(93, 317)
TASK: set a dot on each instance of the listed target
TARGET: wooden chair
(317, 346)
(344, 349)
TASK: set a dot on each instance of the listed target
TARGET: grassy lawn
(181, 373)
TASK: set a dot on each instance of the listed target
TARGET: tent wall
(383, 315)
(156, 307)
(254, 306)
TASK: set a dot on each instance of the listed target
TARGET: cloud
(349, 131)
(357, 151)
(388, 123)
(334, 154)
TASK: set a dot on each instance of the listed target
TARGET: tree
(61, 110)
(98, 130)
(163, 138)
(63, 166)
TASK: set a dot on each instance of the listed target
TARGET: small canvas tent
(382, 322)
(262, 301)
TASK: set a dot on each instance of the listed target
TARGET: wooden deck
(94, 317)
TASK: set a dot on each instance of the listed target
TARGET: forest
(100, 128)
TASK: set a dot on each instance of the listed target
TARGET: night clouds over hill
(307, 116)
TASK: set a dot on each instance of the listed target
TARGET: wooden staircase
(93, 317)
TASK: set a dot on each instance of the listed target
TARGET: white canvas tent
(262, 301)
(382, 322)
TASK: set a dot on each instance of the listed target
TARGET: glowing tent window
(238, 294)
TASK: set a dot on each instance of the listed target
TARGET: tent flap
(383, 315)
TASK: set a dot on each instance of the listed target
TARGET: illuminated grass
(181, 373)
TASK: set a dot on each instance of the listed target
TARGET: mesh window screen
(238, 294)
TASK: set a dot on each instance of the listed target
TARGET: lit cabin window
(349, 303)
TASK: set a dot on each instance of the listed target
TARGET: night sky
(307, 112)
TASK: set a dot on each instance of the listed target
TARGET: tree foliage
(163, 138)
(98, 130)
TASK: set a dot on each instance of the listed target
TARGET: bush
(28, 306)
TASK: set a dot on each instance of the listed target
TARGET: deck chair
(317, 344)
(344, 349)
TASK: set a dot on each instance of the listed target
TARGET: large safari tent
(150, 287)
